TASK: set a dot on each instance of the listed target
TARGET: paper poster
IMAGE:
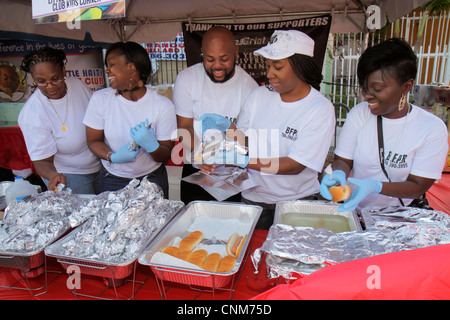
(168, 50)
(84, 62)
(252, 36)
(50, 11)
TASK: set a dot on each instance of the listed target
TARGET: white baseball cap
(286, 43)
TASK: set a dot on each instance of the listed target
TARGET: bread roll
(340, 193)
(183, 255)
(191, 241)
(212, 262)
(197, 257)
(233, 244)
(173, 251)
(226, 264)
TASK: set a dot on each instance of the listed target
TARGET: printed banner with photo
(252, 36)
(167, 50)
(84, 62)
(50, 11)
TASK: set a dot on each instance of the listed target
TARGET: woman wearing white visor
(288, 125)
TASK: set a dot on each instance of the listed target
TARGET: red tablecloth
(14, 154)
(411, 274)
(13, 151)
(439, 194)
(247, 287)
(406, 275)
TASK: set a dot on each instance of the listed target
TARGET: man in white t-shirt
(217, 86)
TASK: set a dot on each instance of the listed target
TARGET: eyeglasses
(45, 83)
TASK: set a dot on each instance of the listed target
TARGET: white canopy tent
(160, 20)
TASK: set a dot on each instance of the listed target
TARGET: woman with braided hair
(52, 124)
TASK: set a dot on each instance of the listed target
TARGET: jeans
(110, 182)
(81, 183)
(268, 211)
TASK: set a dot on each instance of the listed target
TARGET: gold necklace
(63, 127)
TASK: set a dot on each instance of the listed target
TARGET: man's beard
(227, 77)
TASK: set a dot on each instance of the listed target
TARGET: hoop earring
(401, 103)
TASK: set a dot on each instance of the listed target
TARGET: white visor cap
(286, 43)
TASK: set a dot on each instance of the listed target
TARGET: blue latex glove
(336, 178)
(145, 136)
(124, 155)
(214, 121)
(364, 188)
(230, 157)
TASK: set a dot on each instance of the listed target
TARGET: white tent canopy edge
(157, 20)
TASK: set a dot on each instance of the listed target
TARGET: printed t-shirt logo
(290, 133)
(395, 160)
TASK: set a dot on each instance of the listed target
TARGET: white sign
(169, 50)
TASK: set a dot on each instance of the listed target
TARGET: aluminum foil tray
(22, 261)
(100, 268)
(292, 252)
(184, 222)
(140, 216)
(310, 208)
(52, 207)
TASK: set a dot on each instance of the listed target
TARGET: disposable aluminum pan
(281, 261)
(179, 226)
(32, 259)
(312, 208)
(101, 268)
(29, 260)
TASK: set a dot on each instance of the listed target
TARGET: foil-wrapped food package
(37, 220)
(415, 226)
(293, 252)
(213, 142)
(120, 224)
(224, 181)
(115, 201)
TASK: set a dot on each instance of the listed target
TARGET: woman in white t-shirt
(413, 142)
(289, 127)
(129, 126)
(52, 124)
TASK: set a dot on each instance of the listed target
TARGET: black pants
(191, 192)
